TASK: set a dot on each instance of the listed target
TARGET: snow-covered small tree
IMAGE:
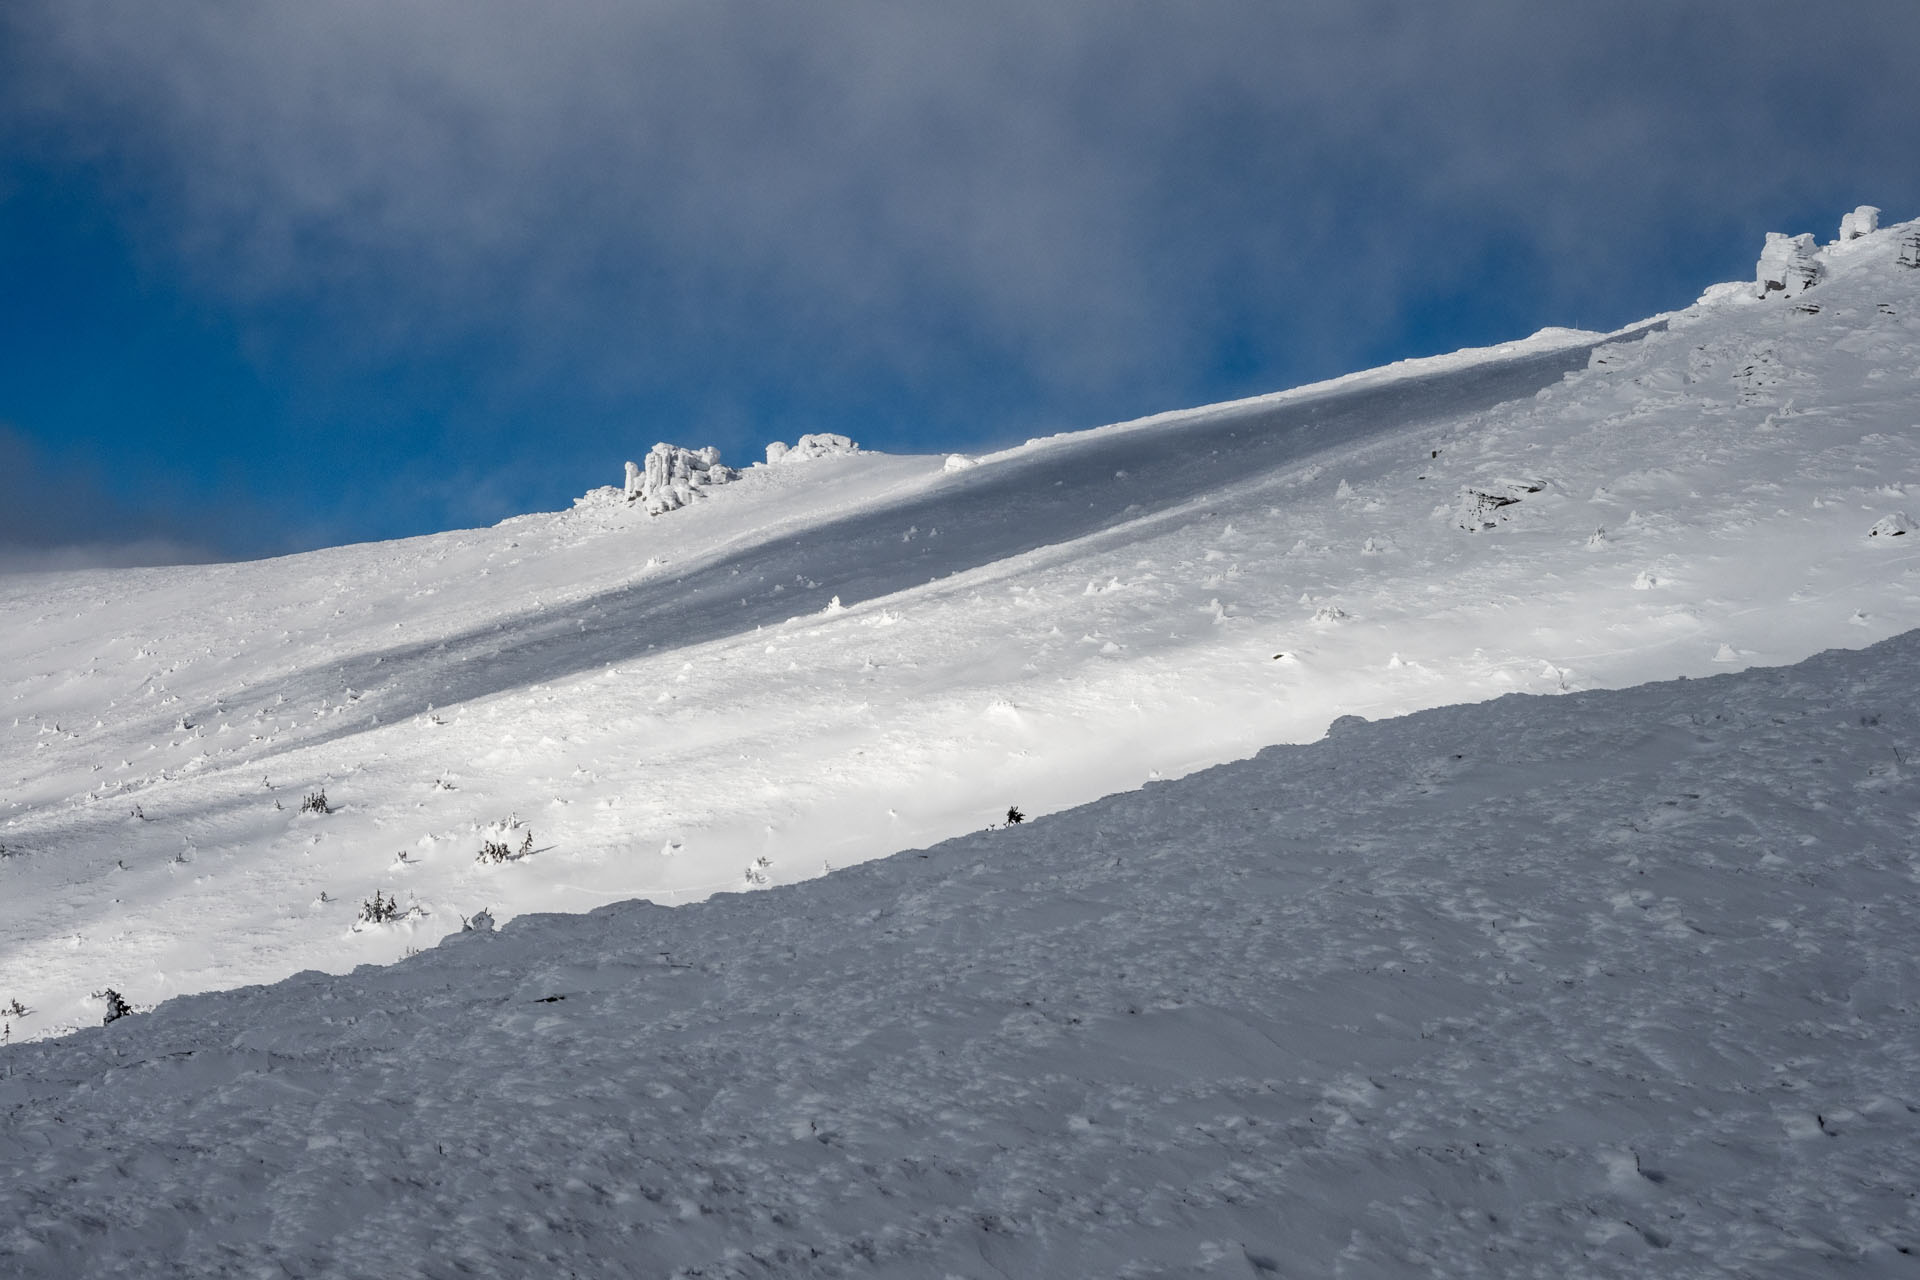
(117, 1006)
(379, 909)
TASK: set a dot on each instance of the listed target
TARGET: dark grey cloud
(57, 514)
(1056, 199)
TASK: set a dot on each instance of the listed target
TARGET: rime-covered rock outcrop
(1789, 265)
(673, 477)
(1861, 222)
(822, 445)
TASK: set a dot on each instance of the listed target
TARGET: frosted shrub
(379, 909)
(494, 846)
(117, 1006)
(316, 802)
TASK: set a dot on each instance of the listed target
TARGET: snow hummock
(1896, 525)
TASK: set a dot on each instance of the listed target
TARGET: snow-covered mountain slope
(1616, 984)
(675, 705)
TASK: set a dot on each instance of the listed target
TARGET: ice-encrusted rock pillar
(1861, 222)
(1789, 265)
(673, 476)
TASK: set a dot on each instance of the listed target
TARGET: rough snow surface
(1618, 984)
(673, 707)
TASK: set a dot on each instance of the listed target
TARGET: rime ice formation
(819, 445)
(673, 476)
(1789, 265)
(1861, 222)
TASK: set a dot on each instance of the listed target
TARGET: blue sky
(278, 277)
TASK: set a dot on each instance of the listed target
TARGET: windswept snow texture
(1620, 984)
(676, 706)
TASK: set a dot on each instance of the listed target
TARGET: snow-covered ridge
(673, 707)
(1617, 984)
(674, 476)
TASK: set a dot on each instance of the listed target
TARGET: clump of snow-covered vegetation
(508, 840)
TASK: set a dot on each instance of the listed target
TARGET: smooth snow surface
(820, 664)
(1619, 984)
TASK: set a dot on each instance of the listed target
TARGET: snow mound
(606, 495)
(1897, 525)
(1788, 266)
(674, 477)
(1479, 509)
(824, 444)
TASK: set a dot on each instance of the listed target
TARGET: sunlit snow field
(833, 659)
(1617, 979)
